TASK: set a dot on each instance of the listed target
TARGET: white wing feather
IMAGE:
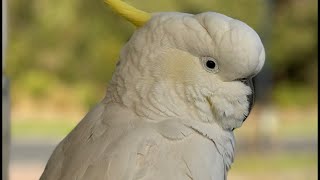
(152, 151)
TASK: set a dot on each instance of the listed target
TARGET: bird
(181, 86)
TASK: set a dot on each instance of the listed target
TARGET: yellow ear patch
(133, 15)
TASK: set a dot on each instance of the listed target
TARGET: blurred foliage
(75, 44)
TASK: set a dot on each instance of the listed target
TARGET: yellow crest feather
(133, 15)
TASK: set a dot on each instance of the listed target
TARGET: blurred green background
(61, 55)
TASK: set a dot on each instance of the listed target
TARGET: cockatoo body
(180, 88)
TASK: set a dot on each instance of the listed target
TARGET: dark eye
(209, 64)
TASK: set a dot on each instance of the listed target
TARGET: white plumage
(167, 114)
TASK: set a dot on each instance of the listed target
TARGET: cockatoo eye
(209, 64)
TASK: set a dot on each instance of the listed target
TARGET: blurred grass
(37, 128)
(303, 127)
(275, 166)
(275, 162)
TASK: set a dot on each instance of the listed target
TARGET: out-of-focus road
(28, 158)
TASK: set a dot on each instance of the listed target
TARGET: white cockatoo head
(194, 67)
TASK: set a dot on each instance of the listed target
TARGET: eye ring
(209, 64)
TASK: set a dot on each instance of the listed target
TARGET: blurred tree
(78, 42)
(294, 48)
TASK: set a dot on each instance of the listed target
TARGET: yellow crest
(133, 15)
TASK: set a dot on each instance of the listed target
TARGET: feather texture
(165, 116)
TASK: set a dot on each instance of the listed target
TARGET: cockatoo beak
(251, 97)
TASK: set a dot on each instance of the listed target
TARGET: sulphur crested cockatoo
(181, 86)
